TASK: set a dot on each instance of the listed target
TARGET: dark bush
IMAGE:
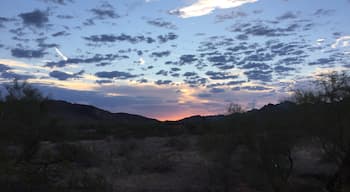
(76, 154)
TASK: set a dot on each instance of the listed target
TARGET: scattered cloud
(65, 16)
(4, 20)
(320, 41)
(220, 75)
(190, 74)
(60, 2)
(167, 37)
(263, 29)
(163, 82)
(103, 81)
(204, 7)
(343, 41)
(97, 58)
(323, 61)
(194, 80)
(324, 12)
(253, 88)
(159, 22)
(115, 75)
(230, 16)
(288, 15)
(106, 11)
(162, 72)
(235, 82)
(60, 33)
(283, 69)
(27, 53)
(217, 90)
(36, 18)
(187, 59)
(141, 61)
(65, 76)
(259, 75)
(160, 54)
(109, 38)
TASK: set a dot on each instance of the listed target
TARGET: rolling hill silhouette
(87, 113)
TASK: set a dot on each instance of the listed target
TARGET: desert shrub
(156, 163)
(125, 151)
(178, 143)
(126, 147)
(28, 170)
(84, 181)
(57, 167)
(218, 150)
(76, 154)
(136, 160)
(211, 144)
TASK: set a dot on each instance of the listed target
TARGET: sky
(170, 59)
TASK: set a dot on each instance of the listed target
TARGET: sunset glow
(170, 59)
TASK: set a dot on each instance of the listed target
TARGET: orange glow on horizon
(182, 115)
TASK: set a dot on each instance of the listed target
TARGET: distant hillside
(86, 113)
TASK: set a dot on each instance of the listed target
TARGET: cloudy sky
(169, 59)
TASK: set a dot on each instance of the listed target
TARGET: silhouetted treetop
(22, 91)
(330, 87)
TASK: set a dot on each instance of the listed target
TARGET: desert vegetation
(301, 144)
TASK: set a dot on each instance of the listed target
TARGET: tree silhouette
(332, 98)
(234, 108)
(330, 87)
